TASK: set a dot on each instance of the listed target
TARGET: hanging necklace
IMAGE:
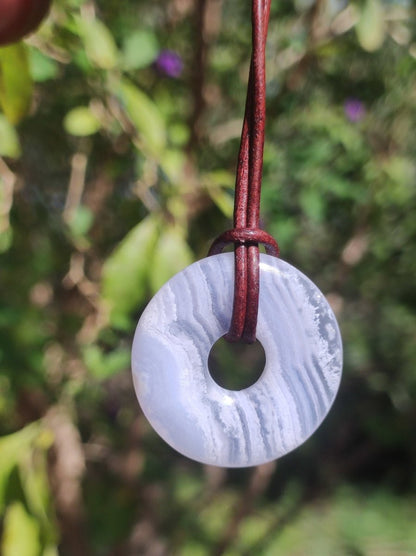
(243, 296)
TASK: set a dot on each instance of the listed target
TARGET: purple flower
(169, 63)
(354, 110)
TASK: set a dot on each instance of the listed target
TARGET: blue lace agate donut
(228, 428)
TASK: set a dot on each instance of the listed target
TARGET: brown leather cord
(246, 234)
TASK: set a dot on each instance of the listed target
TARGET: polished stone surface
(206, 422)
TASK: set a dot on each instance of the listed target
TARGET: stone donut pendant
(229, 428)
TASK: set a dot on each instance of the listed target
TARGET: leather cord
(246, 234)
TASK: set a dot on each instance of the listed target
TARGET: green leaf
(219, 186)
(223, 200)
(172, 164)
(145, 116)
(125, 273)
(34, 480)
(6, 239)
(371, 27)
(172, 254)
(12, 449)
(139, 50)
(313, 205)
(15, 82)
(81, 221)
(179, 134)
(80, 121)
(42, 68)
(50, 550)
(21, 534)
(99, 43)
(9, 140)
(104, 365)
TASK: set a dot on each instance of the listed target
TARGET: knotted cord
(246, 234)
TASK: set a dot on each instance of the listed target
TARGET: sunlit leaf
(125, 272)
(179, 134)
(402, 171)
(172, 254)
(34, 480)
(172, 164)
(139, 50)
(99, 43)
(15, 82)
(9, 140)
(218, 185)
(371, 27)
(145, 116)
(223, 200)
(21, 534)
(12, 449)
(80, 121)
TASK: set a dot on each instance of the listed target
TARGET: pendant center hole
(236, 366)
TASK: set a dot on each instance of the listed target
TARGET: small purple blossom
(354, 109)
(169, 63)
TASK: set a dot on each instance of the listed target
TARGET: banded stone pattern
(228, 428)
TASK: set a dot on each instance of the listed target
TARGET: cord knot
(246, 234)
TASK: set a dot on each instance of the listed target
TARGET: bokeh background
(119, 133)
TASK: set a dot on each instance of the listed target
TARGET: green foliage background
(114, 176)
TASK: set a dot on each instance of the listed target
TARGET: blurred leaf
(21, 534)
(401, 170)
(6, 239)
(9, 140)
(99, 43)
(320, 117)
(7, 464)
(139, 50)
(351, 522)
(80, 121)
(125, 272)
(313, 204)
(370, 27)
(12, 449)
(50, 551)
(42, 68)
(145, 116)
(186, 487)
(15, 82)
(219, 185)
(172, 164)
(193, 548)
(81, 221)
(214, 515)
(285, 231)
(254, 529)
(172, 254)
(104, 365)
(34, 479)
(179, 134)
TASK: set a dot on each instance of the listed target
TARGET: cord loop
(246, 234)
